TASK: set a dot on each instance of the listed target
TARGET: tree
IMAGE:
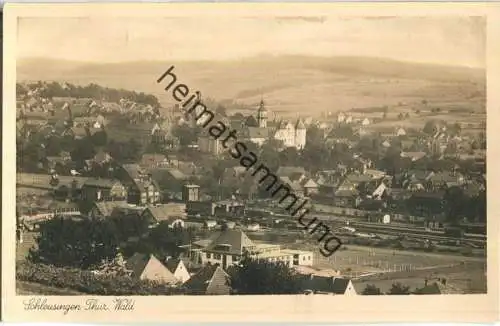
(100, 138)
(84, 150)
(289, 156)
(314, 136)
(399, 289)
(253, 276)
(164, 240)
(371, 289)
(430, 127)
(185, 134)
(69, 243)
(129, 225)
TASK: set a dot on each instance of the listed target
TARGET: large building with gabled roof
(231, 245)
(258, 130)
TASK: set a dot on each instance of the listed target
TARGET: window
(218, 256)
(209, 256)
(309, 258)
(236, 258)
(304, 258)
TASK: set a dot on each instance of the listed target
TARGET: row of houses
(204, 268)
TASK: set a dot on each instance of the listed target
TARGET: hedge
(87, 282)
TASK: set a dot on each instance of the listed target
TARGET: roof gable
(209, 280)
(231, 241)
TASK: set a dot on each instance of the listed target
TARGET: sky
(448, 40)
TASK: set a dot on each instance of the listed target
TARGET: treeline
(55, 89)
(86, 244)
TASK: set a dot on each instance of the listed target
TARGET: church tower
(300, 134)
(262, 115)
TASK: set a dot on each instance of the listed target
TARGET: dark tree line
(86, 243)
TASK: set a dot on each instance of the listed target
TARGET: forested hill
(55, 89)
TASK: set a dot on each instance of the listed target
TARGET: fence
(50, 215)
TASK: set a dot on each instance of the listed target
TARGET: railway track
(419, 231)
(418, 236)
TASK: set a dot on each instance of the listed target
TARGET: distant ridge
(292, 83)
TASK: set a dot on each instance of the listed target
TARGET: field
(288, 84)
(383, 267)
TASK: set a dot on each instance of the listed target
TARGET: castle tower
(300, 134)
(262, 115)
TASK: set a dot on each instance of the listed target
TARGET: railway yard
(372, 252)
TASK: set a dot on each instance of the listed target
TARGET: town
(118, 194)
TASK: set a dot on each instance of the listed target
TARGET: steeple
(262, 115)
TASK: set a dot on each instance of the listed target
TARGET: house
(400, 132)
(148, 267)
(309, 187)
(295, 186)
(208, 144)
(424, 203)
(315, 284)
(294, 173)
(105, 209)
(190, 193)
(438, 287)
(155, 160)
(56, 163)
(171, 179)
(144, 192)
(96, 123)
(341, 117)
(413, 156)
(142, 188)
(100, 158)
(80, 132)
(173, 213)
(210, 280)
(441, 180)
(230, 245)
(210, 224)
(229, 208)
(346, 198)
(177, 267)
(96, 189)
(253, 227)
(379, 191)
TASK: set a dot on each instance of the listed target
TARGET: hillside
(289, 84)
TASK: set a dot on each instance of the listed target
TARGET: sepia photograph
(236, 152)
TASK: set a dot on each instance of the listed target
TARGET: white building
(177, 267)
(232, 244)
(291, 134)
(207, 144)
(341, 117)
